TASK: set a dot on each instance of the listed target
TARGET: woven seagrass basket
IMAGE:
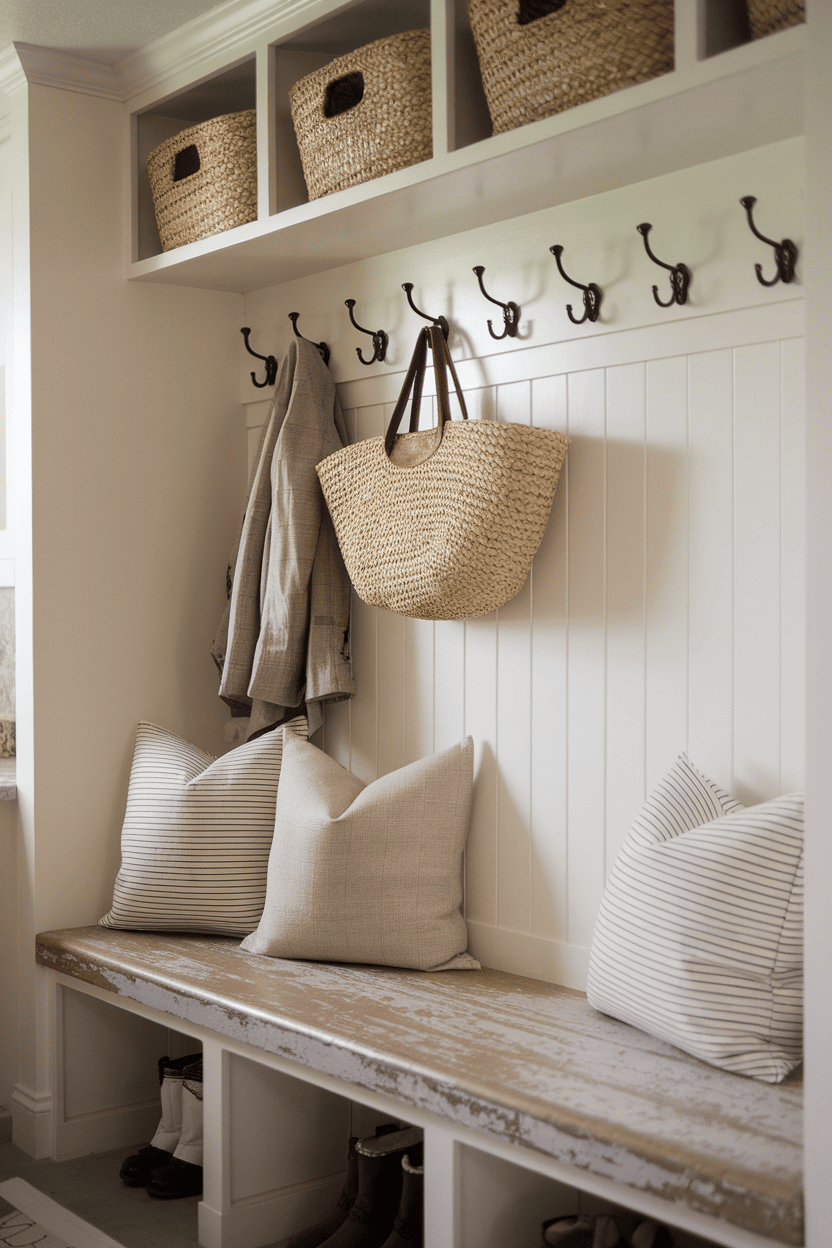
(365, 114)
(442, 524)
(766, 16)
(539, 57)
(204, 179)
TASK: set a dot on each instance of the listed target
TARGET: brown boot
(370, 1220)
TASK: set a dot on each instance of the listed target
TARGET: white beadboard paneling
(449, 683)
(666, 677)
(586, 663)
(711, 565)
(757, 567)
(419, 689)
(625, 618)
(514, 694)
(663, 612)
(549, 751)
(481, 723)
(792, 575)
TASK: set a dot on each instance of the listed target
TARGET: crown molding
(228, 32)
(51, 68)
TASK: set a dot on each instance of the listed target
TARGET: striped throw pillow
(197, 834)
(699, 939)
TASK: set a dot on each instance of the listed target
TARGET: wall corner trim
(49, 67)
(12, 76)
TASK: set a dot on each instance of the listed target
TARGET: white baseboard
(522, 953)
(263, 1220)
(111, 1128)
(32, 1121)
(36, 1131)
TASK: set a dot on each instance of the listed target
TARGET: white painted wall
(665, 607)
(133, 477)
(8, 811)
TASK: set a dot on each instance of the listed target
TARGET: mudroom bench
(525, 1094)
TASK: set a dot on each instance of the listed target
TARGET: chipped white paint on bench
(529, 1063)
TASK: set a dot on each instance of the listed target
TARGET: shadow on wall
(7, 713)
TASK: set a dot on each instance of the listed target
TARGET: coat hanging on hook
(322, 347)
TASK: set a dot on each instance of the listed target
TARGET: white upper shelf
(705, 109)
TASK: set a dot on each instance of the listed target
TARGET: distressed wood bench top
(528, 1062)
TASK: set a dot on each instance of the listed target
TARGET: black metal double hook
(592, 294)
(511, 312)
(270, 362)
(322, 347)
(785, 252)
(680, 274)
(407, 287)
(378, 336)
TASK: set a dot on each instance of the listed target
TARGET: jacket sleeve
(293, 548)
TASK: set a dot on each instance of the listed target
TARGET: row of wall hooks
(680, 277)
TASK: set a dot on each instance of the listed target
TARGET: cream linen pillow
(369, 874)
(197, 834)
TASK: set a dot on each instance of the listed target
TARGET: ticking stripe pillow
(699, 939)
(197, 834)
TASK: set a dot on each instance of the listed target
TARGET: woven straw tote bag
(766, 16)
(539, 57)
(204, 179)
(442, 524)
(365, 114)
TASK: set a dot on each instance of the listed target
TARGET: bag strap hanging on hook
(413, 453)
(407, 287)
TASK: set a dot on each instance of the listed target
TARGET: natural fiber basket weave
(766, 16)
(365, 114)
(539, 57)
(204, 179)
(453, 534)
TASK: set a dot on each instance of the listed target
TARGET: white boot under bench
(529, 1099)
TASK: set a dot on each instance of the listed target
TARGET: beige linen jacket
(284, 639)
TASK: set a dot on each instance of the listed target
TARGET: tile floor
(90, 1187)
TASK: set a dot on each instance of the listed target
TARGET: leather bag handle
(414, 381)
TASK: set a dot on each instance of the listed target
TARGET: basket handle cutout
(185, 163)
(533, 10)
(342, 94)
